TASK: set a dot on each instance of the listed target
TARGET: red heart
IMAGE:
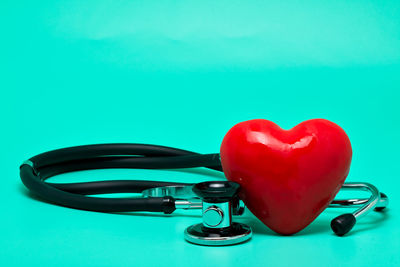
(287, 177)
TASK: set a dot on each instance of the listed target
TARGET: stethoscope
(218, 200)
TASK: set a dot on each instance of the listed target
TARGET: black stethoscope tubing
(37, 169)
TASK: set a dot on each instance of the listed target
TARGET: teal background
(181, 73)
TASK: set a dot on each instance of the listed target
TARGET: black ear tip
(342, 224)
(383, 196)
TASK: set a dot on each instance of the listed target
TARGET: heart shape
(287, 177)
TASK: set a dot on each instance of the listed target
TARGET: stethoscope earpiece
(378, 201)
(342, 224)
(217, 228)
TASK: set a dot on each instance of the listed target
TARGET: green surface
(181, 73)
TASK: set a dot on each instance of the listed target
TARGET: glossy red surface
(287, 177)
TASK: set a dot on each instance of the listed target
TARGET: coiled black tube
(36, 170)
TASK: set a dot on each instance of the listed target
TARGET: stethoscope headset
(218, 200)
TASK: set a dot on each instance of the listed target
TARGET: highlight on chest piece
(220, 202)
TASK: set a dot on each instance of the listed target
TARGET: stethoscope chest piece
(217, 228)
